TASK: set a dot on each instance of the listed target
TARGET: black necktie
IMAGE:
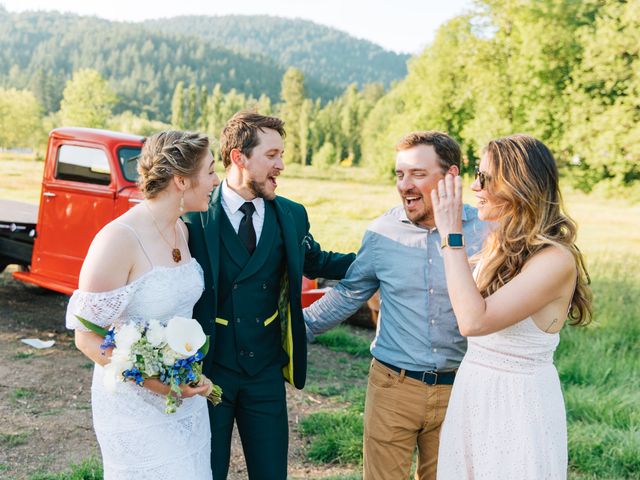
(246, 232)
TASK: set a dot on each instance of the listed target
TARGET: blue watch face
(455, 240)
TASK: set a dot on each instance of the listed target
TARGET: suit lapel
(211, 225)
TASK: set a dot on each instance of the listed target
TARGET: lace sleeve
(101, 308)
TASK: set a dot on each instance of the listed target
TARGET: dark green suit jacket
(303, 257)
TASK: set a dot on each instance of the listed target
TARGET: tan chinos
(400, 414)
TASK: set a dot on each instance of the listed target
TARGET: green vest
(248, 336)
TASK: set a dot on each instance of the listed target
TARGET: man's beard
(259, 189)
(425, 216)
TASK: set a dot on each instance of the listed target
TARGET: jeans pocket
(380, 377)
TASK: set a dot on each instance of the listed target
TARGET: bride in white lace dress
(506, 415)
(139, 268)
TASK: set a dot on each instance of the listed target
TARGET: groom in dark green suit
(254, 248)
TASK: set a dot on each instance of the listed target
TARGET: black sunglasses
(483, 177)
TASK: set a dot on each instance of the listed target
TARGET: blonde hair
(524, 179)
(169, 153)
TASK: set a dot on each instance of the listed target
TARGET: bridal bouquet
(170, 353)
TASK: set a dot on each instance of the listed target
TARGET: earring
(182, 203)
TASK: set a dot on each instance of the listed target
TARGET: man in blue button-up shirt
(418, 345)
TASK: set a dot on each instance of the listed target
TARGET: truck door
(77, 200)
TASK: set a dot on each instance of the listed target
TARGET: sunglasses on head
(483, 177)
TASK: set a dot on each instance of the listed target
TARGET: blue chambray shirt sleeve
(343, 300)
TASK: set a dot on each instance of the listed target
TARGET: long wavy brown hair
(524, 179)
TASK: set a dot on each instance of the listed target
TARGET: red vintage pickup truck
(89, 179)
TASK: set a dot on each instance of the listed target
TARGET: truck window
(83, 164)
(128, 157)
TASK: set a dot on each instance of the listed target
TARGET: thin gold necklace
(175, 251)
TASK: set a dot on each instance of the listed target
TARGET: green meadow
(598, 365)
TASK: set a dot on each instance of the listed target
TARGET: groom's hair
(447, 149)
(241, 132)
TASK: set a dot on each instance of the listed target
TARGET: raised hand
(446, 200)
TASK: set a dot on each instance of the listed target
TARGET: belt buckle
(430, 372)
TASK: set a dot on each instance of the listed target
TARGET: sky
(405, 26)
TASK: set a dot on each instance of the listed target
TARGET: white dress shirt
(231, 202)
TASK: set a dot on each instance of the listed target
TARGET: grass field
(598, 365)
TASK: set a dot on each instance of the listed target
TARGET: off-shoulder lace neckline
(143, 276)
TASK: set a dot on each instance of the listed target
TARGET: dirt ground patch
(45, 408)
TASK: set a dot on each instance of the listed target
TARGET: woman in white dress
(139, 268)
(506, 416)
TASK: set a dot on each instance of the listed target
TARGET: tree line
(316, 134)
(565, 71)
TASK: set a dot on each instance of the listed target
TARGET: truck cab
(89, 179)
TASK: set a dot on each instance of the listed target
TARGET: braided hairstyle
(169, 153)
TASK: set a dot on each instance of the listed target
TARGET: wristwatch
(453, 240)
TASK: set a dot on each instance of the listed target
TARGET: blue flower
(134, 374)
(109, 340)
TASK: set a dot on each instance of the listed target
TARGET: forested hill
(41, 50)
(329, 55)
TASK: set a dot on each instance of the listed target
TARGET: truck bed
(17, 213)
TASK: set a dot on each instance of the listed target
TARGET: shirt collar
(234, 201)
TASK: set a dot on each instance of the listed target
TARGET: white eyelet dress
(506, 416)
(137, 439)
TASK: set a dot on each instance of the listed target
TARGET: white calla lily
(185, 336)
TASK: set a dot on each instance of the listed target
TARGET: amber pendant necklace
(175, 251)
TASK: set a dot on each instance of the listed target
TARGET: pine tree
(192, 108)
(293, 96)
(203, 117)
(177, 107)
